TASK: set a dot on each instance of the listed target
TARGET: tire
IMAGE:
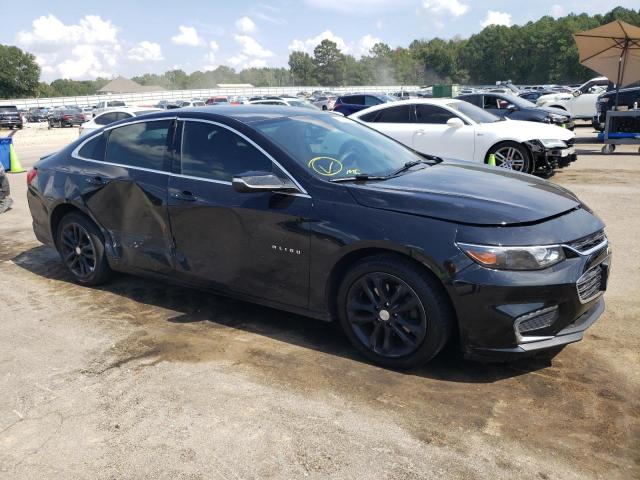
(608, 149)
(419, 311)
(520, 157)
(81, 248)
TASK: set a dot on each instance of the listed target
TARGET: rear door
(253, 243)
(125, 188)
(396, 121)
(433, 136)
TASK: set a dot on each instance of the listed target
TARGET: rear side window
(399, 114)
(369, 117)
(432, 114)
(474, 99)
(143, 145)
(353, 99)
(106, 118)
(115, 103)
(370, 100)
(214, 152)
(94, 148)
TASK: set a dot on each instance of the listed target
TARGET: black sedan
(516, 108)
(66, 117)
(314, 213)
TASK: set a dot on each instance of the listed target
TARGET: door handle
(184, 196)
(97, 181)
(420, 132)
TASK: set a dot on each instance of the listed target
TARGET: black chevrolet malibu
(314, 213)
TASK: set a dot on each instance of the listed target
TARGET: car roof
(128, 110)
(411, 101)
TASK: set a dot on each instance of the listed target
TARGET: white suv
(107, 105)
(581, 103)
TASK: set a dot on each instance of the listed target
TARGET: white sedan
(113, 115)
(454, 129)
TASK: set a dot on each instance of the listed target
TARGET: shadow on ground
(195, 306)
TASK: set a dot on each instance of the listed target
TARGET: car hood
(556, 111)
(468, 194)
(522, 131)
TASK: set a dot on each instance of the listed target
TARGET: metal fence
(151, 98)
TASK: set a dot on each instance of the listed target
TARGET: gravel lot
(138, 379)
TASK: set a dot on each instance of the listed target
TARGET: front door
(433, 136)
(253, 243)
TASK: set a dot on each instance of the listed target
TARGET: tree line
(538, 52)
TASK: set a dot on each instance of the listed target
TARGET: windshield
(8, 109)
(476, 114)
(332, 146)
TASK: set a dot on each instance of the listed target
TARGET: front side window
(214, 152)
(143, 145)
(432, 114)
(370, 100)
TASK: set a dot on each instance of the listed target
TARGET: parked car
(324, 102)
(516, 108)
(37, 114)
(348, 104)
(238, 100)
(112, 116)
(628, 97)
(407, 253)
(217, 100)
(288, 102)
(10, 117)
(581, 103)
(65, 117)
(87, 112)
(454, 129)
(106, 105)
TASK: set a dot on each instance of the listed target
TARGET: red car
(217, 100)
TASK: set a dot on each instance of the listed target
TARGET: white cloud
(213, 45)
(445, 7)
(310, 43)
(557, 10)
(187, 36)
(366, 43)
(256, 63)
(251, 48)
(379, 24)
(146, 51)
(245, 25)
(87, 49)
(496, 18)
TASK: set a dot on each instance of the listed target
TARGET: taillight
(66, 117)
(31, 174)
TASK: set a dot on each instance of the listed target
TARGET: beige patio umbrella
(612, 50)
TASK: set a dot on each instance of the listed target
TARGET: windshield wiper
(407, 166)
(360, 177)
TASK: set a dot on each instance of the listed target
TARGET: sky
(87, 39)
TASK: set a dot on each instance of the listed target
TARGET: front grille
(589, 285)
(584, 244)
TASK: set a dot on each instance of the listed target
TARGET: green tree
(302, 68)
(19, 73)
(329, 63)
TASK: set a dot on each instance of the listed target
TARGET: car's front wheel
(395, 313)
(81, 248)
(512, 156)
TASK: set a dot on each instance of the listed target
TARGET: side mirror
(577, 93)
(455, 122)
(262, 182)
(512, 107)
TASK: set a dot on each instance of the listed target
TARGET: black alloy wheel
(81, 248)
(77, 250)
(386, 314)
(394, 311)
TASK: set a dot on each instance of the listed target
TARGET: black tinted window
(473, 99)
(399, 114)
(353, 99)
(490, 101)
(122, 115)
(369, 117)
(432, 114)
(106, 119)
(211, 151)
(370, 100)
(140, 145)
(94, 148)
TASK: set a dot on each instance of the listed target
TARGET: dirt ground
(138, 379)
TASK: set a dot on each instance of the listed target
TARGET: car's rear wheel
(393, 312)
(81, 248)
(512, 156)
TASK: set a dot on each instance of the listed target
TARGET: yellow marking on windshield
(326, 166)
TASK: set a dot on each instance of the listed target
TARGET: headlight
(513, 258)
(552, 143)
(557, 118)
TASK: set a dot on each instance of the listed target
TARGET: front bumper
(517, 313)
